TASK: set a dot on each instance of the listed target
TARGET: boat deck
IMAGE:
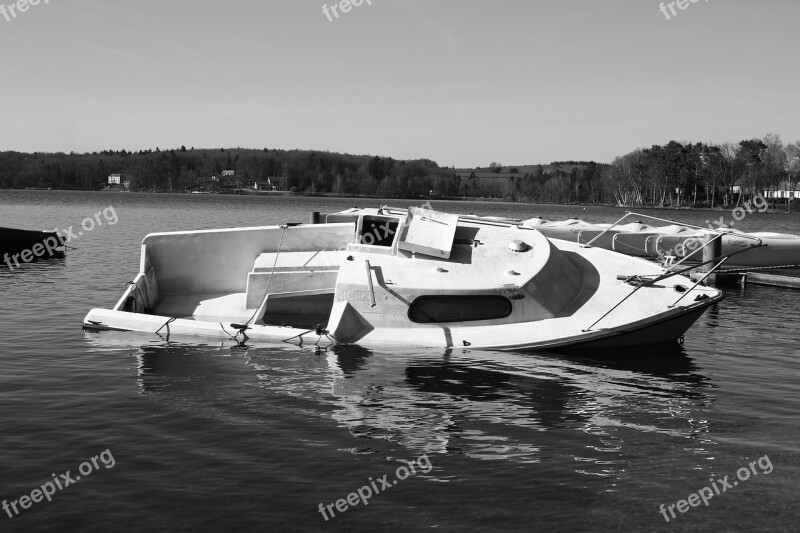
(231, 308)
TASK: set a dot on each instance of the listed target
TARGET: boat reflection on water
(498, 405)
(513, 407)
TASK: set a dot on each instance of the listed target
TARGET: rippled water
(208, 437)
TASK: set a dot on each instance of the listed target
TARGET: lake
(127, 432)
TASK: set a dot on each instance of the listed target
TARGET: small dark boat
(29, 245)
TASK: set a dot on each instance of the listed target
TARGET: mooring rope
(318, 330)
(269, 282)
(167, 323)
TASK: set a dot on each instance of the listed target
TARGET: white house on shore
(116, 179)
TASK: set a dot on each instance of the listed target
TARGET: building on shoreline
(783, 190)
(116, 180)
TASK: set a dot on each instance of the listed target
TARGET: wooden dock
(773, 280)
(753, 278)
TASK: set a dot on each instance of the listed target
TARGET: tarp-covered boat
(761, 249)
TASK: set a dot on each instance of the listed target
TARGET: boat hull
(658, 330)
(663, 332)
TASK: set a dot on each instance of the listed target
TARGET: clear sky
(462, 82)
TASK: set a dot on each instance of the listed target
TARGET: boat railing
(668, 221)
(699, 281)
(641, 281)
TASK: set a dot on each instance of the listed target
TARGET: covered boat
(402, 277)
(679, 241)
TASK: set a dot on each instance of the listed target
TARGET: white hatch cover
(429, 232)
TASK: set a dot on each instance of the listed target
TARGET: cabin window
(378, 231)
(435, 309)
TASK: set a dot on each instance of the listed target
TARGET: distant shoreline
(415, 198)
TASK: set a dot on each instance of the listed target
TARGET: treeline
(560, 182)
(677, 174)
(704, 175)
(301, 171)
(181, 169)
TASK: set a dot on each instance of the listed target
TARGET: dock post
(712, 251)
(314, 217)
(710, 254)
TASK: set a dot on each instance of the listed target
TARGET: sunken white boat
(396, 277)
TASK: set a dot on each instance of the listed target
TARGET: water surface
(212, 436)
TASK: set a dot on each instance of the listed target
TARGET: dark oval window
(434, 309)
